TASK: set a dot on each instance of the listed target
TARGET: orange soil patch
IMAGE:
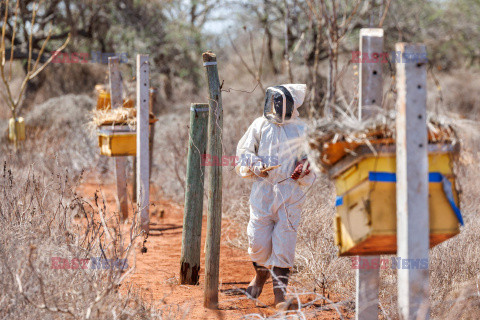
(157, 271)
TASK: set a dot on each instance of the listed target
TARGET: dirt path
(157, 271)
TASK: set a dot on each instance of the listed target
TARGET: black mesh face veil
(275, 99)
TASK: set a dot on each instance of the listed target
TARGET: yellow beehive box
(366, 221)
(119, 142)
(17, 125)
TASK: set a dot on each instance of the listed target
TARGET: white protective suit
(275, 207)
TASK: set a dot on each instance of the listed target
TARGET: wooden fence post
(143, 155)
(116, 96)
(192, 216)
(371, 93)
(214, 221)
(412, 179)
(370, 73)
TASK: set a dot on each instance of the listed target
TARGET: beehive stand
(116, 93)
(143, 155)
(412, 183)
(370, 93)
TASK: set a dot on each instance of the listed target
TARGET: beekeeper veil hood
(282, 102)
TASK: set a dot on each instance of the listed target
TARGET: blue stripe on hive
(338, 201)
(392, 177)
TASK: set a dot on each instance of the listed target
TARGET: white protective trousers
(275, 207)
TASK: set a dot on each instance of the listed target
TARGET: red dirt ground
(157, 271)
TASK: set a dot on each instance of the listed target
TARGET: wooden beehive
(366, 222)
(116, 142)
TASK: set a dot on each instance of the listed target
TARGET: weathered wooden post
(214, 221)
(192, 216)
(370, 73)
(116, 96)
(412, 179)
(143, 156)
(371, 93)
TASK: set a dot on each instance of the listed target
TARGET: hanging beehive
(116, 127)
(16, 125)
(361, 159)
(117, 141)
(366, 221)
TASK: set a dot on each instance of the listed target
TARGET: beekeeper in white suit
(270, 152)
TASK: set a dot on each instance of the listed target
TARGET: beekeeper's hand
(301, 169)
(257, 170)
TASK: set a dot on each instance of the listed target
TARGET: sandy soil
(157, 271)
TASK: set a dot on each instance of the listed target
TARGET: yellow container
(104, 103)
(366, 222)
(117, 143)
(17, 125)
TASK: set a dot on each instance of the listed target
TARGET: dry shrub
(459, 90)
(316, 261)
(43, 219)
(169, 163)
(64, 78)
(57, 137)
(455, 263)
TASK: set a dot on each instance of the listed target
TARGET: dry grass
(118, 116)
(42, 217)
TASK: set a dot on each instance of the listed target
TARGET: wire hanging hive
(361, 158)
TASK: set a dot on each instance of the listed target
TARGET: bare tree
(33, 66)
(335, 19)
(319, 28)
